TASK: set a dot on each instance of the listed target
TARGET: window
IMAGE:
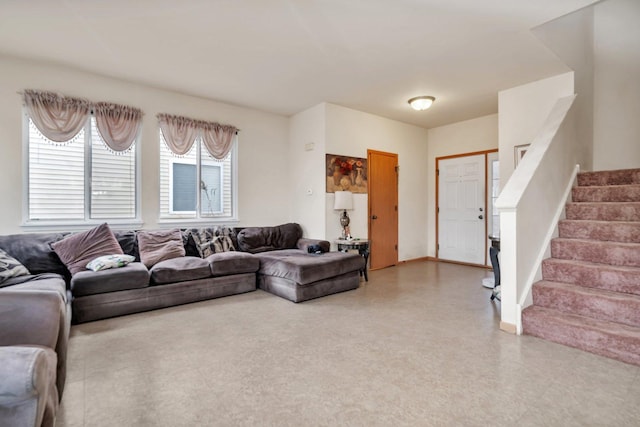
(80, 179)
(196, 185)
(495, 192)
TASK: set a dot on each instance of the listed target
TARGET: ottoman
(300, 276)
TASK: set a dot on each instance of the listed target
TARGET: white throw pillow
(106, 262)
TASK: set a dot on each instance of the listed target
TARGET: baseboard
(468, 264)
(424, 258)
(508, 327)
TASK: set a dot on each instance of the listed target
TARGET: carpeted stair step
(612, 253)
(616, 177)
(613, 231)
(604, 211)
(588, 274)
(610, 193)
(609, 339)
(590, 302)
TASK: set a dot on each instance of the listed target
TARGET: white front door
(462, 211)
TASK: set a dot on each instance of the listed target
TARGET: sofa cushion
(78, 249)
(304, 268)
(189, 245)
(263, 239)
(10, 267)
(39, 282)
(132, 276)
(159, 245)
(227, 263)
(128, 242)
(180, 270)
(34, 251)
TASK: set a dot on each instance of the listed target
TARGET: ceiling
(284, 56)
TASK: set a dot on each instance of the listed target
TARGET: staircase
(589, 297)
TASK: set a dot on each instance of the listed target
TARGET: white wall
(617, 85)
(571, 38)
(351, 133)
(307, 164)
(522, 110)
(480, 134)
(264, 193)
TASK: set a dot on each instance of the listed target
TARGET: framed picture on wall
(346, 173)
(520, 151)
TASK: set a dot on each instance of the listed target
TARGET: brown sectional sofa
(36, 310)
(288, 270)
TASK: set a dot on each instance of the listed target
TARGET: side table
(362, 245)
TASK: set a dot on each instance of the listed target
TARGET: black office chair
(493, 254)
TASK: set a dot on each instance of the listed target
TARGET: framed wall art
(519, 152)
(346, 173)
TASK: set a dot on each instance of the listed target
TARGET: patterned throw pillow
(10, 267)
(106, 262)
(212, 240)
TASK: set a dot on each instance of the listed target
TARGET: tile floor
(418, 345)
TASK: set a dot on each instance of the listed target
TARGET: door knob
(374, 217)
(480, 217)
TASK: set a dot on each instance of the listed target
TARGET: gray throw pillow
(262, 239)
(158, 245)
(78, 249)
(10, 267)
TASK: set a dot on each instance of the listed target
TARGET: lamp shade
(343, 201)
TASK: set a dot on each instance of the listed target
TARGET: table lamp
(344, 202)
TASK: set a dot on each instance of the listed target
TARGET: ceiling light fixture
(420, 103)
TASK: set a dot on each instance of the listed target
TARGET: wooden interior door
(383, 208)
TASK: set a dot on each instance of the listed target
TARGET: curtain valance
(57, 117)
(181, 132)
(118, 124)
(60, 118)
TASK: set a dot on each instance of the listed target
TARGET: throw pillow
(106, 262)
(209, 240)
(10, 267)
(224, 241)
(156, 246)
(77, 250)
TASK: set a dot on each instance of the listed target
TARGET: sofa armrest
(36, 318)
(28, 395)
(304, 243)
(30, 318)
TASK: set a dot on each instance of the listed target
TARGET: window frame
(185, 161)
(221, 167)
(195, 218)
(78, 224)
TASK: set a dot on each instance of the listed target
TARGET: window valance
(57, 117)
(60, 118)
(181, 132)
(118, 124)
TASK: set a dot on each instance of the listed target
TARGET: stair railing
(530, 205)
